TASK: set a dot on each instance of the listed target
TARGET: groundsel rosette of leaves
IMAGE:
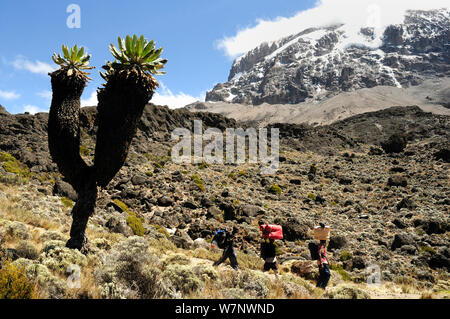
(74, 61)
(136, 54)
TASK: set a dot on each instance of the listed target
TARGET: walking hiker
(269, 254)
(322, 262)
(225, 241)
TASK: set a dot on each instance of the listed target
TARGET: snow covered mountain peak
(321, 62)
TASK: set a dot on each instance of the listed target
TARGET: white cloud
(353, 13)
(38, 67)
(32, 109)
(45, 94)
(166, 97)
(174, 101)
(9, 95)
(90, 101)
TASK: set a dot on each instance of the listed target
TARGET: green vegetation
(84, 151)
(67, 202)
(242, 173)
(338, 268)
(162, 230)
(136, 224)
(136, 53)
(158, 161)
(198, 181)
(312, 196)
(122, 205)
(426, 249)
(74, 61)
(14, 283)
(203, 165)
(12, 165)
(275, 189)
(232, 175)
(346, 255)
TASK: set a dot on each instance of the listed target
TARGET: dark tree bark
(83, 209)
(120, 106)
(64, 146)
(64, 127)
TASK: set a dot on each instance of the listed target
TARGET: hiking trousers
(324, 276)
(228, 253)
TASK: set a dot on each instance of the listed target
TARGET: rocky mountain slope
(430, 96)
(322, 62)
(153, 221)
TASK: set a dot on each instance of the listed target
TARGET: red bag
(271, 231)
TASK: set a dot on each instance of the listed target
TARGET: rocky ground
(430, 96)
(149, 235)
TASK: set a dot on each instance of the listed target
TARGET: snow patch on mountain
(321, 62)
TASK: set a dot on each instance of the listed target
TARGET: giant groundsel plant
(121, 100)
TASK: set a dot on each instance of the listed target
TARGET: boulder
(395, 144)
(337, 242)
(119, 225)
(182, 240)
(401, 240)
(165, 201)
(250, 210)
(64, 189)
(306, 269)
(397, 180)
(407, 203)
(293, 229)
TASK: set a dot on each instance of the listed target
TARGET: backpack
(313, 250)
(219, 237)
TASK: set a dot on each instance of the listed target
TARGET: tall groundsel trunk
(68, 84)
(64, 146)
(120, 106)
(64, 127)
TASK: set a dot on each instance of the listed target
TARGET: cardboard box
(322, 233)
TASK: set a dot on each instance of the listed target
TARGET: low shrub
(14, 283)
(136, 224)
(338, 268)
(84, 151)
(346, 292)
(198, 181)
(26, 249)
(130, 270)
(346, 255)
(12, 165)
(275, 189)
(121, 205)
(68, 203)
(183, 278)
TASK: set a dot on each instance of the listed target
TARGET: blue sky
(189, 32)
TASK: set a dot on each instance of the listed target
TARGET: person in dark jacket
(226, 241)
(269, 254)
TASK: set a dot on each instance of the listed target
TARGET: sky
(200, 38)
